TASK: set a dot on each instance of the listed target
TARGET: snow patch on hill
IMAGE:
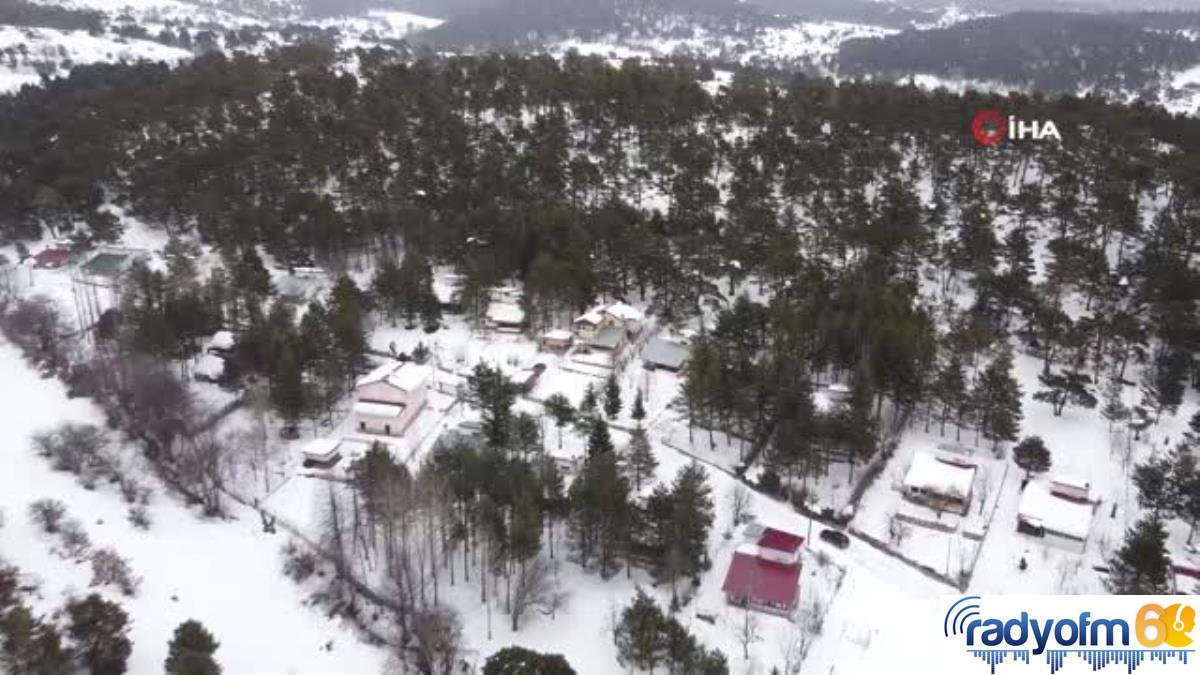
(28, 53)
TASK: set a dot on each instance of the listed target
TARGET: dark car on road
(835, 538)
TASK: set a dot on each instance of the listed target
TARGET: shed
(665, 354)
(505, 316)
(557, 341)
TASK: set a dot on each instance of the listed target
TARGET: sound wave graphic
(965, 610)
(1096, 658)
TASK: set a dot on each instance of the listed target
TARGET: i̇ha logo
(991, 126)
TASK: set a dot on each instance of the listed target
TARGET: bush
(110, 569)
(48, 514)
(520, 661)
(75, 539)
(299, 564)
(139, 517)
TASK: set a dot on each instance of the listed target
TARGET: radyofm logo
(1151, 629)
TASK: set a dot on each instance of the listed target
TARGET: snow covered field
(226, 574)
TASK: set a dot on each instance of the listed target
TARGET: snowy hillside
(28, 54)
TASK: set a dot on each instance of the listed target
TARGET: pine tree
(559, 407)
(287, 385)
(1067, 387)
(100, 631)
(637, 634)
(521, 661)
(638, 412)
(599, 440)
(1032, 455)
(493, 394)
(29, 645)
(587, 406)
(1141, 566)
(1156, 491)
(1185, 484)
(640, 461)
(612, 397)
(997, 397)
(191, 651)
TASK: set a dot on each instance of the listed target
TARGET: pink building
(766, 576)
(388, 399)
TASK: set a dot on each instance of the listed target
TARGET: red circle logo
(989, 127)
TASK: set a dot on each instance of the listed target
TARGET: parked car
(835, 538)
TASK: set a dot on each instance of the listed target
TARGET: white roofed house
(388, 399)
(1064, 520)
(939, 483)
(590, 328)
(505, 316)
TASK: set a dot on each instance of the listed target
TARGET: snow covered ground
(226, 574)
(26, 53)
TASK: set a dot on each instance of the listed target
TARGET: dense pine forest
(1050, 51)
(855, 209)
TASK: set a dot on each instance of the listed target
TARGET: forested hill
(506, 23)
(1042, 50)
(855, 209)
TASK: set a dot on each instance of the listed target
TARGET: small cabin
(556, 341)
(939, 483)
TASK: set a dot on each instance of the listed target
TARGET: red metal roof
(52, 256)
(762, 581)
(780, 540)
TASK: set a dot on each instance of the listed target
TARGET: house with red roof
(52, 258)
(765, 575)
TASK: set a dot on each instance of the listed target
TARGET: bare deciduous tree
(437, 634)
(110, 569)
(535, 588)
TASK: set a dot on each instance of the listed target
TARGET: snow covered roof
(1055, 514)
(210, 366)
(378, 409)
(1073, 481)
(931, 474)
(779, 540)
(321, 449)
(624, 312)
(557, 335)
(593, 316)
(404, 376)
(665, 353)
(505, 313)
(221, 340)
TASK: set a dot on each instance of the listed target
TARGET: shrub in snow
(48, 514)
(110, 569)
(298, 564)
(139, 517)
(73, 447)
(75, 539)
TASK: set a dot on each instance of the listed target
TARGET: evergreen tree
(587, 407)
(287, 385)
(1067, 387)
(640, 460)
(521, 661)
(612, 397)
(29, 645)
(1032, 455)
(1156, 490)
(99, 630)
(1141, 566)
(638, 412)
(599, 440)
(493, 394)
(191, 651)
(997, 398)
(559, 407)
(638, 633)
